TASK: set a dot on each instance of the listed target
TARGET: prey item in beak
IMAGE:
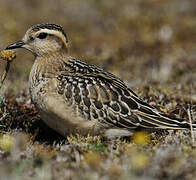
(18, 44)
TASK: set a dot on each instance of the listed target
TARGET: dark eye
(42, 35)
(31, 38)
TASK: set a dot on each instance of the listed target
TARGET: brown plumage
(75, 97)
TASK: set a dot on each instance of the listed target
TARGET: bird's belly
(61, 125)
(60, 116)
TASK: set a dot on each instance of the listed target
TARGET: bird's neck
(51, 62)
(47, 66)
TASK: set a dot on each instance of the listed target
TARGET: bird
(74, 97)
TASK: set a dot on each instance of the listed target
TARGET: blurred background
(149, 44)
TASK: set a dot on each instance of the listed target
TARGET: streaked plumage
(75, 97)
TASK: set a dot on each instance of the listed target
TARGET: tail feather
(150, 118)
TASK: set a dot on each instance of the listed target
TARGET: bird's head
(43, 39)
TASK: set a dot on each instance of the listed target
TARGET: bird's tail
(150, 118)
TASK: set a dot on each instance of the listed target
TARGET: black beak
(18, 44)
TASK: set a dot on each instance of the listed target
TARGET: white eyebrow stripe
(53, 32)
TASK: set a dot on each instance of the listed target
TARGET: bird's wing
(97, 94)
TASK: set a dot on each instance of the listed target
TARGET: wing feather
(103, 96)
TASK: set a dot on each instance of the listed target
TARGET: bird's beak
(18, 44)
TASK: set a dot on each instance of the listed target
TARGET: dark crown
(50, 26)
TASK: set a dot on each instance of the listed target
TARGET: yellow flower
(139, 161)
(141, 138)
(6, 142)
(7, 55)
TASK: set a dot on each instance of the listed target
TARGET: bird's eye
(31, 38)
(42, 35)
